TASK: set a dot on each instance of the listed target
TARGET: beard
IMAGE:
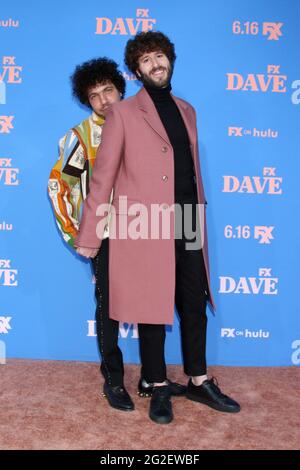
(146, 79)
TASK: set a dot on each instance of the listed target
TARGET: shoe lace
(215, 386)
(214, 380)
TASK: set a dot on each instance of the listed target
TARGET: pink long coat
(136, 159)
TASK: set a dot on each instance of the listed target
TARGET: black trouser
(112, 366)
(190, 300)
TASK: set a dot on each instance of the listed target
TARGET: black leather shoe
(160, 405)
(118, 397)
(210, 394)
(145, 389)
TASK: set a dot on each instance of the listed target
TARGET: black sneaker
(118, 397)
(160, 409)
(210, 394)
(145, 389)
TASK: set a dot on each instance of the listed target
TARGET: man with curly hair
(154, 160)
(96, 84)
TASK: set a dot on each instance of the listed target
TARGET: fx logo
(264, 234)
(236, 131)
(264, 272)
(4, 324)
(228, 332)
(6, 124)
(273, 30)
(141, 12)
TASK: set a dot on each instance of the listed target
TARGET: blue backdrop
(239, 65)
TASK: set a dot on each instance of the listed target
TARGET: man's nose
(155, 63)
(103, 100)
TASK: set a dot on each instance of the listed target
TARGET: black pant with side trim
(112, 366)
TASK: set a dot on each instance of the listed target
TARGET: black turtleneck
(185, 188)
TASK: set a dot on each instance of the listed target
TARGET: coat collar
(151, 116)
(99, 120)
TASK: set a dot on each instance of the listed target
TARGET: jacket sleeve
(64, 187)
(107, 164)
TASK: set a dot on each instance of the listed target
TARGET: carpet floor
(58, 405)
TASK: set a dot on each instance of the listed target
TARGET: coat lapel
(150, 115)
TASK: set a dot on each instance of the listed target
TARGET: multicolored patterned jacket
(69, 179)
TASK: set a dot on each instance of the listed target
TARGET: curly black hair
(149, 41)
(94, 72)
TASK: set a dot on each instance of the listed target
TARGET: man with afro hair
(155, 161)
(96, 84)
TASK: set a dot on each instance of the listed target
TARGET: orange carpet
(58, 405)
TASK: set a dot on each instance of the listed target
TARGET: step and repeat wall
(238, 64)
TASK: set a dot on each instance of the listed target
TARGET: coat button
(164, 149)
(165, 178)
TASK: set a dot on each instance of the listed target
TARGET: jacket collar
(99, 120)
(151, 116)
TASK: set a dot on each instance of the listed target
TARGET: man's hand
(87, 252)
